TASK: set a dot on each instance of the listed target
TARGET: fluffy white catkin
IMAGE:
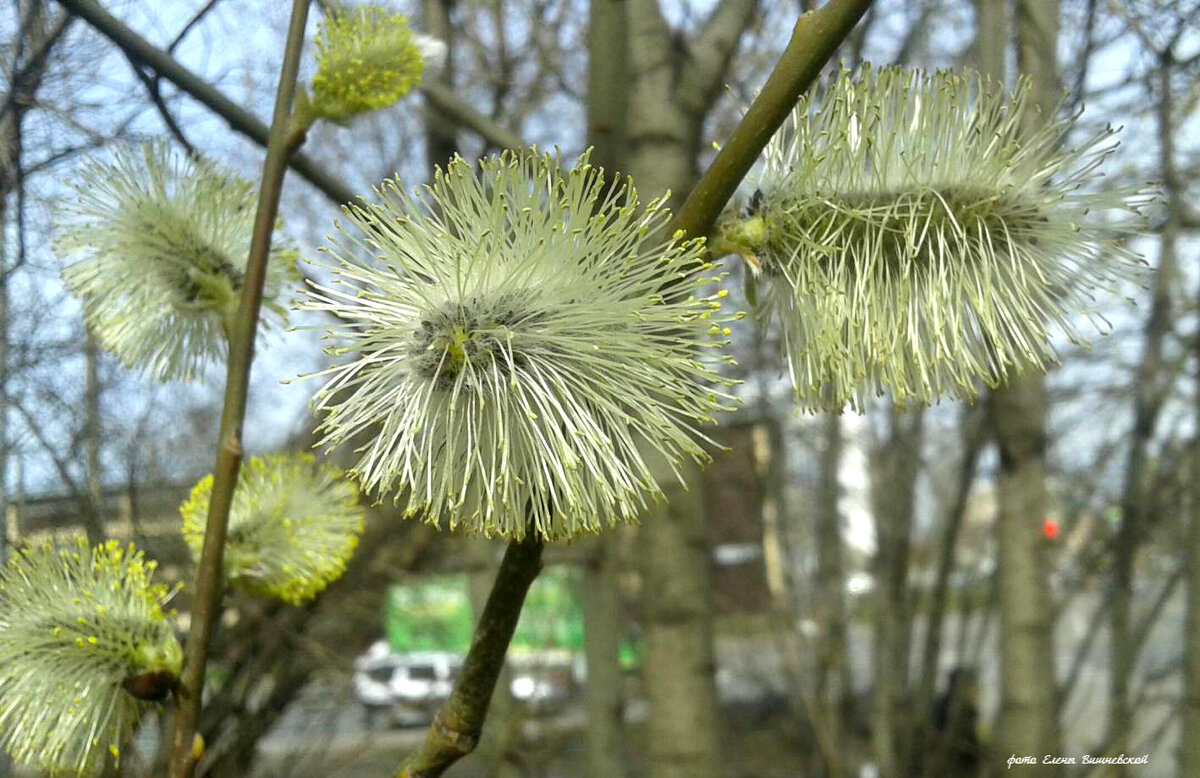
(163, 240)
(511, 350)
(912, 237)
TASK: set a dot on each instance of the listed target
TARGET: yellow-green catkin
(82, 631)
(367, 59)
(293, 526)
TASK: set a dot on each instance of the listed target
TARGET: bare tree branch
(815, 38)
(239, 119)
(34, 63)
(89, 510)
(154, 92)
(456, 109)
(196, 19)
(142, 51)
(713, 48)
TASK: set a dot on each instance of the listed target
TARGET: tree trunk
(1028, 724)
(833, 690)
(603, 697)
(681, 731)
(673, 85)
(441, 138)
(93, 432)
(893, 486)
(1028, 719)
(991, 38)
(607, 135)
(1189, 752)
(607, 85)
(922, 745)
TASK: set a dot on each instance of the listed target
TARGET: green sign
(435, 615)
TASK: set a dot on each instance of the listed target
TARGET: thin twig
(458, 725)
(815, 38)
(91, 510)
(240, 120)
(33, 65)
(138, 48)
(285, 138)
(457, 110)
(154, 92)
(196, 19)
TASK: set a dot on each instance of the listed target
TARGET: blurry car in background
(403, 689)
(406, 689)
(545, 681)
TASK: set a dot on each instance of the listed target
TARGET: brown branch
(196, 19)
(58, 156)
(154, 91)
(456, 109)
(238, 118)
(285, 137)
(89, 508)
(34, 65)
(713, 48)
(815, 38)
(458, 725)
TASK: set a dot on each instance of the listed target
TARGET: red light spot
(1051, 529)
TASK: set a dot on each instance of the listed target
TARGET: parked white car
(403, 689)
